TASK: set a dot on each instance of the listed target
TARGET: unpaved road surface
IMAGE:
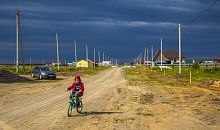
(109, 103)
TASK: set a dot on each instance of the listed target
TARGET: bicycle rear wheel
(80, 107)
(70, 109)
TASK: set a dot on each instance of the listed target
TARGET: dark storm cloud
(120, 28)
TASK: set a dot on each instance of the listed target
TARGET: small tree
(195, 66)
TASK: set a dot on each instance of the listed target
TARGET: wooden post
(190, 77)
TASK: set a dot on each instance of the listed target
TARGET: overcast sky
(120, 28)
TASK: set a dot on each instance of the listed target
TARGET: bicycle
(73, 104)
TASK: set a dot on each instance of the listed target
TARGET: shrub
(212, 70)
(195, 65)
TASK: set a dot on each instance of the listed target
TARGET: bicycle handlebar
(73, 92)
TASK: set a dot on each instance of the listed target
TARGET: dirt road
(109, 103)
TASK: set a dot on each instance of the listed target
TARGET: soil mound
(9, 77)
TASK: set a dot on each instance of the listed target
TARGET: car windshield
(45, 69)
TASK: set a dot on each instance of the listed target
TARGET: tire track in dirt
(170, 107)
(28, 107)
(24, 109)
(109, 104)
(4, 126)
(102, 108)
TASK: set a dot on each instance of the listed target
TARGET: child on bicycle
(77, 88)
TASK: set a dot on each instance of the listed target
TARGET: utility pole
(99, 57)
(147, 57)
(137, 60)
(144, 55)
(179, 49)
(103, 57)
(152, 55)
(17, 39)
(42, 61)
(58, 60)
(20, 41)
(30, 61)
(140, 59)
(161, 53)
(75, 52)
(87, 53)
(94, 57)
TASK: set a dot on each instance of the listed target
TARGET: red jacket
(81, 87)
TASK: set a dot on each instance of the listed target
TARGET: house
(105, 63)
(71, 64)
(84, 63)
(189, 61)
(168, 57)
(216, 60)
(53, 63)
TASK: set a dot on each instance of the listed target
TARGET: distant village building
(84, 64)
(147, 62)
(53, 63)
(105, 63)
(71, 64)
(189, 61)
(168, 57)
(216, 60)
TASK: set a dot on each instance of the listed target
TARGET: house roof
(171, 54)
(158, 54)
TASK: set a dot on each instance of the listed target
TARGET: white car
(165, 67)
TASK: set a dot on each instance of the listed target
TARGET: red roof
(171, 54)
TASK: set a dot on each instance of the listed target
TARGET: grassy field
(201, 76)
(90, 70)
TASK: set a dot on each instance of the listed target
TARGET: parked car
(165, 67)
(42, 72)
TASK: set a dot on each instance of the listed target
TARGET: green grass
(27, 71)
(212, 73)
(13, 69)
(143, 75)
(63, 68)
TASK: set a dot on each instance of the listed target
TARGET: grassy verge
(171, 77)
(27, 71)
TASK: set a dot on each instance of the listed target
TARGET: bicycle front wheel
(70, 109)
(80, 107)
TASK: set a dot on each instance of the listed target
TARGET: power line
(172, 33)
(36, 24)
(202, 13)
(193, 19)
